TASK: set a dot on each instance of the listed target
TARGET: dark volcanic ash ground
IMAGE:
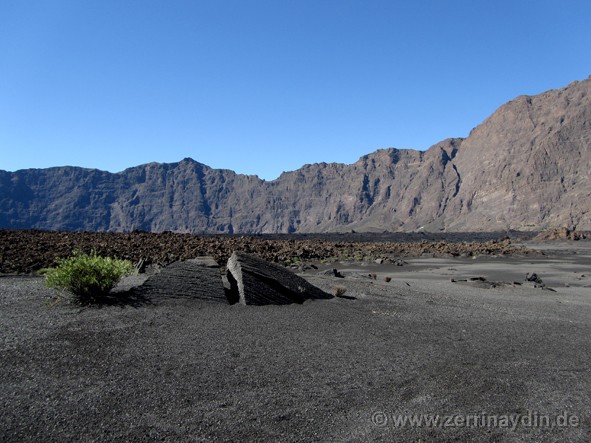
(426, 342)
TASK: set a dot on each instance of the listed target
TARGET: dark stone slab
(197, 278)
(255, 281)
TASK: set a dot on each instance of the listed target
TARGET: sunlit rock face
(525, 168)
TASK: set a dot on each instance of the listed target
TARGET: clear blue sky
(262, 87)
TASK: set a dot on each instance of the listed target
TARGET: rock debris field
(24, 251)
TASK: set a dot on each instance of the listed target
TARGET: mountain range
(524, 168)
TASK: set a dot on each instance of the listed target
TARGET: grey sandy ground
(336, 370)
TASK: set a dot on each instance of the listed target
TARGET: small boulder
(533, 278)
(333, 272)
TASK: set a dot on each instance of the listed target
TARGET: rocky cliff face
(526, 167)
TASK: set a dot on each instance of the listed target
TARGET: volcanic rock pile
(25, 251)
(560, 234)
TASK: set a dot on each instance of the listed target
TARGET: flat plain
(489, 356)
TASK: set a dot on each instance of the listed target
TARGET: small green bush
(87, 276)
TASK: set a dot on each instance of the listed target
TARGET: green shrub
(87, 276)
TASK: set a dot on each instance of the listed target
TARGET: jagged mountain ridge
(526, 168)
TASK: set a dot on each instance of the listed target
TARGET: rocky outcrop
(254, 281)
(525, 168)
(197, 278)
(560, 234)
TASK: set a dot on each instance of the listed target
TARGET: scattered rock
(255, 281)
(25, 251)
(482, 282)
(533, 278)
(334, 272)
